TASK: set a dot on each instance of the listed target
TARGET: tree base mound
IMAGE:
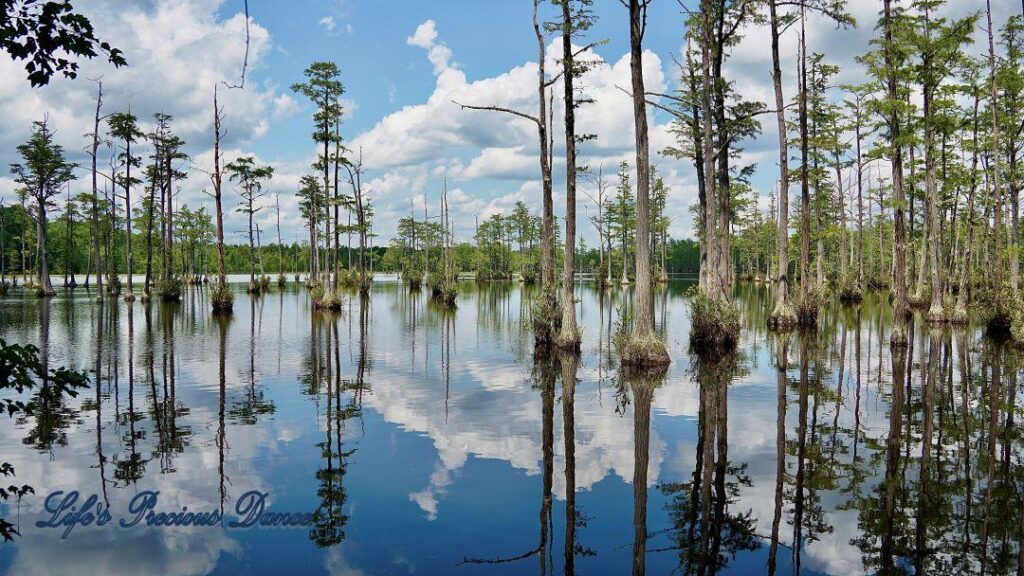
(414, 278)
(129, 296)
(644, 352)
(444, 292)
(959, 317)
(546, 318)
(714, 324)
(936, 315)
(807, 314)
(365, 283)
(919, 300)
(644, 376)
(851, 294)
(170, 289)
(568, 342)
(898, 337)
(782, 318)
(222, 299)
(329, 301)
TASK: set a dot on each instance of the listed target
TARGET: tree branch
(498, 109)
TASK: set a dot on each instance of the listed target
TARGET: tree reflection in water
(705, 531)
(48, 409)
(253, 403)
(330, 518)
(864, 459)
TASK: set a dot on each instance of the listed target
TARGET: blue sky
(402, 62)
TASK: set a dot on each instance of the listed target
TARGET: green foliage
(326, 299)
(714, 323)
(169, 289)
(808, 305)
(222, 298)
(849, 289)
(413, 277)
(545, 316)
(22, 371)
(48, 35)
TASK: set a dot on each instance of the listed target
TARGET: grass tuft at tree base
(545, 317)
(714, 324)
(169, 289)
(222, 298)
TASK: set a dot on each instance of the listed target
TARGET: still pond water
(425, 441)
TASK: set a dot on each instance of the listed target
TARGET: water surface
(431, 441)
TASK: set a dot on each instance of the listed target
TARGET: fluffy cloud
(425, 37)
(472, 148)
(177, 52)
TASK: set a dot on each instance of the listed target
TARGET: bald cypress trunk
(570, 335)
(899, 330)
(645, 347)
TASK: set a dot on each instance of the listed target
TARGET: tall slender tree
(250, 178)
(124, 127)
(545, 323)
(43, 172)
(222, 298)
(323, 87)
(644, 347)
(576, 18)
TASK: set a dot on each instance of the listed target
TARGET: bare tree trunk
(805, 192)
(95, 190)
(648, 349)
(712, 285)
(860, 205)
(547, 260)
(570, 335)
(146, 287)
(935, 311)
(782, 315)
(643, 315)
(218, 196)
(960, 312)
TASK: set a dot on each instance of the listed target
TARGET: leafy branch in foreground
(21, 371)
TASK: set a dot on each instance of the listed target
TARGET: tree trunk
(128, 220)
(960, 312)
(222, 278)
(95, 190)
(860, 204)
(42, 262)
(570, 334)
(643, 314)
(782, 315)
(935, 311)
(805, 192)
(547, 260)
(898, 336)
(997, 189)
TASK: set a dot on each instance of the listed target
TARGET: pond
(424, 440)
